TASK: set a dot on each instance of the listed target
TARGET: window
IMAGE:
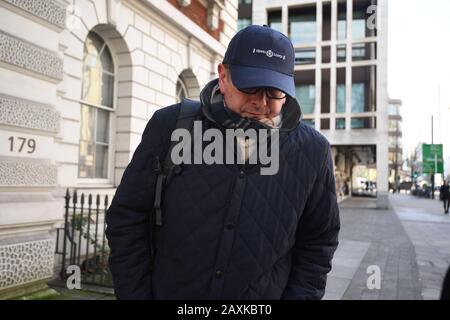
(363, 19)
(306, 95)
(326, 25)
(358, 97)
(341, 52)
(274, 20)
(342, 20)
(181, 90)
(364, 89)
(395, 142)
(305, 90)
(358, 25)
(242, 23)
(364, 51)
(392, 158)
(340, 98)
(363, 123)
(392, 110)
(392, 142)
(340, 90)
(302, 25)
(392, 125)
(97, 96)
(340, 124)
(357, 123)
(305, 56)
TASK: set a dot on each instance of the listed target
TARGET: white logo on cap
(269, 53)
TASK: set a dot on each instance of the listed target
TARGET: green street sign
(433, 161)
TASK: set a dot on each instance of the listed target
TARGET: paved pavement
(429, 230)
(410, 243)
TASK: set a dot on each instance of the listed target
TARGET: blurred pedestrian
(346, 189)
(445, 195)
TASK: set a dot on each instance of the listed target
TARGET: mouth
(254, 115)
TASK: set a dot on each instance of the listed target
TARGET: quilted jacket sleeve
(316, 238)
(128, 220)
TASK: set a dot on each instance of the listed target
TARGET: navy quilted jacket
(228, 233)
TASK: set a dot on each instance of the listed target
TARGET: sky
(419, 68)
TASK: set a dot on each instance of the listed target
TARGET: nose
(259, 100)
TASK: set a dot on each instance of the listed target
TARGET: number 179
(30, 143)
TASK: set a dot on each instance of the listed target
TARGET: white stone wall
(31, 67)
(229, 16)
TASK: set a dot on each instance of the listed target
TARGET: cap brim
(250, 77)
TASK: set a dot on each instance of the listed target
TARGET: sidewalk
(429, 230)
(410, 243)
(372, 237)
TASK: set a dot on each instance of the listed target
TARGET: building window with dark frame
(342, 21)
(340, 123)
(274, 20)
(302, 25)
(362, 19)
(305, 90)
(364, 89)
(340, 90)
(243, 23)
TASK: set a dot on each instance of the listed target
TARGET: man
(445, 195)
(227, 231)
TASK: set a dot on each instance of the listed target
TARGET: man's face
(255, 106)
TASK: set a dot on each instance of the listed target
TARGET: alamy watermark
(374, 279)
(74, 280)
(251, 145)
(372, 21)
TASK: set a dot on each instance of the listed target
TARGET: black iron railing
(82, 241)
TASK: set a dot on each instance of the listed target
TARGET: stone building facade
(79, 80)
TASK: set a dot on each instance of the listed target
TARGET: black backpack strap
(189, 112)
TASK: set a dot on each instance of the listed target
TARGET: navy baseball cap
(260, 56)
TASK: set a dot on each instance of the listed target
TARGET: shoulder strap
(189, 112)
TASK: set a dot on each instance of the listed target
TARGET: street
(409, 243)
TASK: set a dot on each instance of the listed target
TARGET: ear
(223, 78)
